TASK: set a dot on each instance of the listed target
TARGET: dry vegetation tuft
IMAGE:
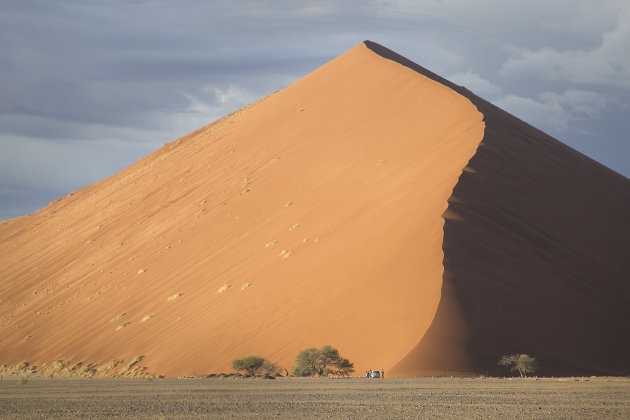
(60, 368)
(173, 297)
(123, 325)
(285, 253)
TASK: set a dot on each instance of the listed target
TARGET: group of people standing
(375, 374)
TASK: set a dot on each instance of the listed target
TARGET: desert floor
(316, 398)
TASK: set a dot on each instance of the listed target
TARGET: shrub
(321, 362)
(523, 363)
(271, 369)
(254, 365)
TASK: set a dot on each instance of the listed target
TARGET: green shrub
(271, 369)
(321, 362)
(252, 365)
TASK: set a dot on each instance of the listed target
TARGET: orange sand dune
(312, 217)
(370, 205)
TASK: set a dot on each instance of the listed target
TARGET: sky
(88, 87)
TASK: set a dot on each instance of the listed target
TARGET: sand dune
(370, 205)
(537, 257)
(312, 217)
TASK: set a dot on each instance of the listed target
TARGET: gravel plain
(356, 398)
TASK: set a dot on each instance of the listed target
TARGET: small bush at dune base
(523, 363)
(271, 369)
(255, 366)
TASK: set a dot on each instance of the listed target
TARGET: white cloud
(200, 111)
(551, 115)
(232, 95)
(555, 111)
(607, 64)
(318, 11)
(475, 83)
(579, 104)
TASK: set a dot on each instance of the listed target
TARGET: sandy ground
(317, 398)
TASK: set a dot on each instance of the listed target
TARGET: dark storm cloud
(88, 87)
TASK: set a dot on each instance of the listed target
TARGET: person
(382, 373)
(367, 373)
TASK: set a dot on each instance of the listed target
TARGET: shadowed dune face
(312, 217)
(536, 257)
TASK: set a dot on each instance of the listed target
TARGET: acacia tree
(250, 364)
(254, 365)
(523, 363)
(270, 369)
(321, 362)
(307, 363)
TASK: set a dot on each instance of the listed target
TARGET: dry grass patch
(285, 253)
(74, 367)
(22, 365)
(104, 369)
(59, 368)
(223, 288)
(173, 297)
(54, 368)
(132, 369)
(133, 362)
(123, 325)
(146, 317)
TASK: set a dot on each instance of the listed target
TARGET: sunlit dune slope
(536, 256)
(311, 217)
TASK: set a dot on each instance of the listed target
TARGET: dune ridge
(311, 217)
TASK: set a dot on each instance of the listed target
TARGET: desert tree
(307, 363)
(523, 363)
(270, 369)
(321, 362)
(250, 364)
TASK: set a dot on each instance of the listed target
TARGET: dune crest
(311, 217)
